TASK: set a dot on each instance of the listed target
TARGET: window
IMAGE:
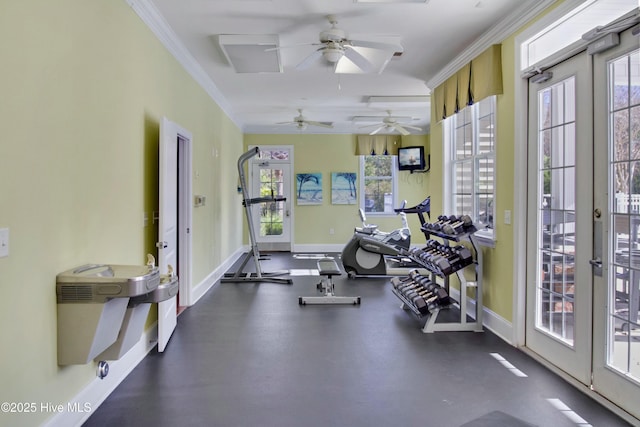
(577, 23)
(378, 187)
(470, 146)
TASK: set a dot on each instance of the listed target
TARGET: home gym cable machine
(247, 202)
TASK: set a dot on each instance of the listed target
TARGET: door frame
(520, 208)
(520, 158)
(606, 379)
(184, 203)
(170, 131)
(289, 204)
(575, 357)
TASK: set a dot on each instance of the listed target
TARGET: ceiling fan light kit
(336, 48)
(390, 124)
(302, 123)
(333, 54)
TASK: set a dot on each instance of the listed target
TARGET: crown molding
(506, 27)
(152, 17)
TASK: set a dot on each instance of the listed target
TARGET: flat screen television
(411, 158)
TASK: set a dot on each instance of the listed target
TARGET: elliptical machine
(371, 252)
(400, 237)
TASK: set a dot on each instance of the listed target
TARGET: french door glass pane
(271, 213)
(556, 215)
(624, 258)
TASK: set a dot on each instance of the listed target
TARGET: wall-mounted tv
(411, 158)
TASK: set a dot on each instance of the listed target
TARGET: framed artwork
(343, 188)
(309, 188)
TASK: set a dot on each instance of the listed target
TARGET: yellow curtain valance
(378, 144)
(476, 80)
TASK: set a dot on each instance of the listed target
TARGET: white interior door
(616, 355)
(174, 219)
(271, 176)
(559, 225)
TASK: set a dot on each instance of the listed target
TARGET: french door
(271, 176)
(583, 223)
(559, 222)
(616, 331)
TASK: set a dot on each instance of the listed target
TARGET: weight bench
(329, 268)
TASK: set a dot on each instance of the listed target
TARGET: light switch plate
(4, 242)
(507, 217)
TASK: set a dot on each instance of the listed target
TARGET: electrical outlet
(331, 231)
(4, 242)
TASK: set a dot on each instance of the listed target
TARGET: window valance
(378, 144)
(480, 78)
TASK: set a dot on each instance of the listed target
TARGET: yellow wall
(84, 85)
(499, 261)
(335, 153)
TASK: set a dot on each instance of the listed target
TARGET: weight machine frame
(259, 275)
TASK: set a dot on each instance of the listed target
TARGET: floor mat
(497, 419)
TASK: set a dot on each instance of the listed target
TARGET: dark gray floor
(248, 355)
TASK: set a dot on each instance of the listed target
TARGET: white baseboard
(79, 409)
(201, 288)
(490, 320)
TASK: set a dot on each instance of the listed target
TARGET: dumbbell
(425, 290)
(442, 221)
(442, 298)
(436, 299)
(459, 257)
(463, 253)
(425, 305)
(413, 274)
(458, 226)
(415, 285)
(436, 226)
(413, 282)
(398, 281)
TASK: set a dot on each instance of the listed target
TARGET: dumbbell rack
(462, 324)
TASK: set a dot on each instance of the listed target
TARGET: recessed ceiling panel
(251, 53)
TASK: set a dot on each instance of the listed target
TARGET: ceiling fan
(390, 124)
(336, 49)
(301, 122)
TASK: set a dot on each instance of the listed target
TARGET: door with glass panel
(271, 178)
(559, 223)
(616, 332)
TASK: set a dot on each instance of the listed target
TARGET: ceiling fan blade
(410, 127)
(286, 123)
(321, 124)
(378, 130)
(271, 49)
(358, 59)
(376, 45)
(400, 129)
(310, 60)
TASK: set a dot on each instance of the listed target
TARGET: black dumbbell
(458, 227)
(424, 291)
(415, 285)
